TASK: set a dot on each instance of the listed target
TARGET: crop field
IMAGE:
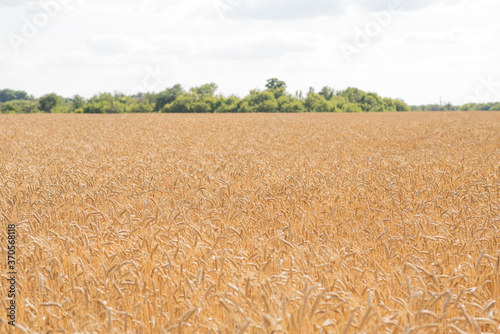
(252, 223)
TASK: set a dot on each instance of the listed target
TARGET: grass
(307, 223)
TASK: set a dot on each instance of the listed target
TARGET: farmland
(253, 223)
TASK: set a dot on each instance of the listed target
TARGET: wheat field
(304, 223)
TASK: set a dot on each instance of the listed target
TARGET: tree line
(204, 99)
(489, 106)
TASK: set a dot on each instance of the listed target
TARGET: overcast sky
(420, 50)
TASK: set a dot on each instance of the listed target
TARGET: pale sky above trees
(419, 51)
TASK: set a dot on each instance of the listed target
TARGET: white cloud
(284, 9)
(14, 3)
(112, 44)
(429, 49)
(262, 46)
(453, 36)
(376, 5)
(299, 9)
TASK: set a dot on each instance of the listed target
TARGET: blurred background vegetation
(204, 99)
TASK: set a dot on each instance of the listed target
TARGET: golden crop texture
(253, 223)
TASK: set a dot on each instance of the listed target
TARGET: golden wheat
(307, 223)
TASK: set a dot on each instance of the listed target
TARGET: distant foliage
(490, 106)
(49, 103)
(204, 99)
(7, 95)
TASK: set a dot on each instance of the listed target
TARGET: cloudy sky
(418, 50)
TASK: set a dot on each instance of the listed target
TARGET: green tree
(10, 95)
(19, 106)
(371, 102)
(401, 105)
(77, 103)
(199, 100)
(352, 95)
(292, 106)
(317, 103)
(337, 103)
(277, 87)
(49, 102)
(277, 92)
(142, 107)
(206, 90)
(227, 104)
(274, 83)
(106, 103)
(10, 108)
(258, 101)
(327, 92)
(191, 103)
(352, 107)
(449, 107)
(299, 95)
(495, 107)
(389, 104)
(289, 104)
(167, 96)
